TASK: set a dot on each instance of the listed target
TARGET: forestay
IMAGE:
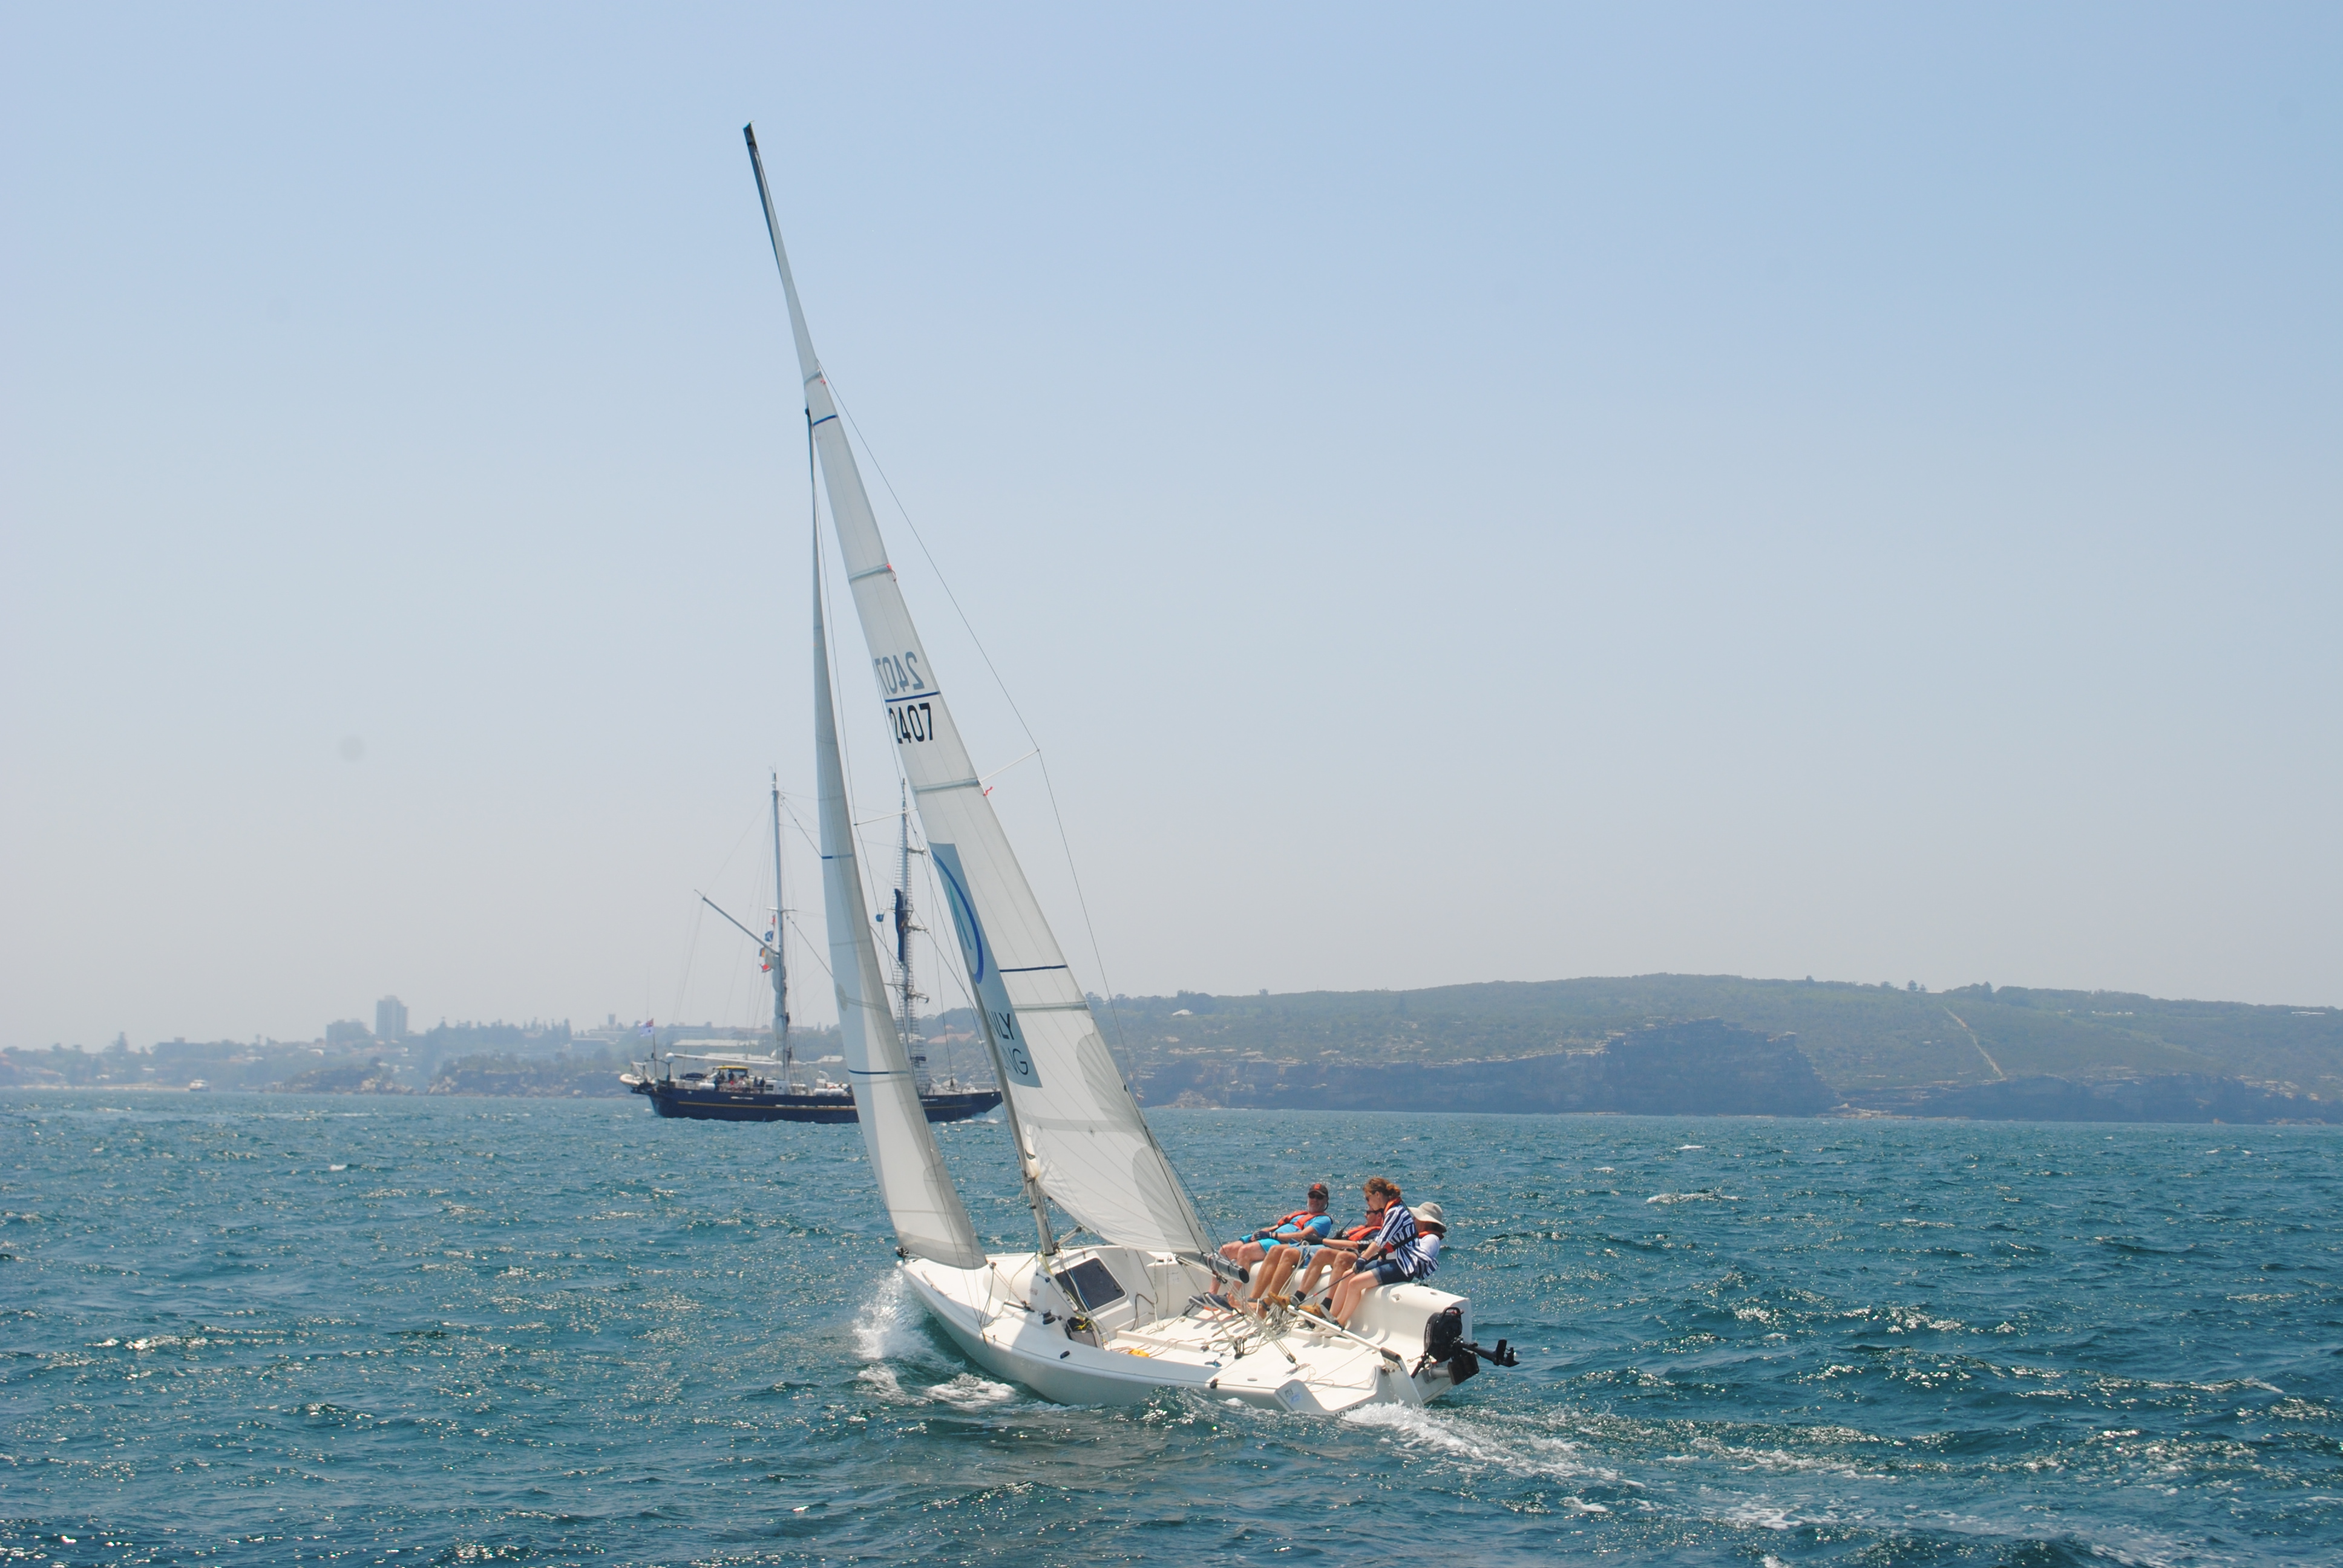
(1090, 1149)
(930, 1219)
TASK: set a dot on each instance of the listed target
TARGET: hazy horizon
(752, 1019)
(1462, 498)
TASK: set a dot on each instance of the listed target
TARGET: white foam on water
(889, 1337)
(1707, 1196)
(2137, 1548)
(1475, 1442)
(888, 1327)
(880, 1380)
(1779, 1460)
(968, 1392)
(1763, 1515)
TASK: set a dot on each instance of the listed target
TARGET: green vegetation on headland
(1860, 1037)
(1648, 1043)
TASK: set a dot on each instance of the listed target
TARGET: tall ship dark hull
(704, 1104)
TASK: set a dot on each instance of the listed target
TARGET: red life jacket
(1360, 1233)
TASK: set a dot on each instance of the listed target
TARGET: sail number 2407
(912, 721)
(899, 676)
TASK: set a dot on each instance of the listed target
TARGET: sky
(1455, 496)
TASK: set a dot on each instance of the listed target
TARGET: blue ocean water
(247, 1329)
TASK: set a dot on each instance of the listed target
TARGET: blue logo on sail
(993, 1006)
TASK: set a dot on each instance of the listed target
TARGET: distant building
(347, 1032)
(390, 1019)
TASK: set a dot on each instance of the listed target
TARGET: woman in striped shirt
(1394, 1255)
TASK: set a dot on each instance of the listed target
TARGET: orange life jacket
(1297, 1215)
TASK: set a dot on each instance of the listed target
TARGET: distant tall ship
(741, 1086)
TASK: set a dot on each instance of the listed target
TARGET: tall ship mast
(908, 997)
(774, 959)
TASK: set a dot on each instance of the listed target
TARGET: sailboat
(1121, 1305)
(732, 1086)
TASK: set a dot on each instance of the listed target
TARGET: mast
(774, 961)
(910, 998)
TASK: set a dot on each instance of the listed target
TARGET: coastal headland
(1642, 1045)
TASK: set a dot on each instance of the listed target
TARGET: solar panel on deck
(1090, 1282)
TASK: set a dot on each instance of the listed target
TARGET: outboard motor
(1444, 1344)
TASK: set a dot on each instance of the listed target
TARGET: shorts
(1391, 1271)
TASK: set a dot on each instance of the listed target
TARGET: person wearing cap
(1306, 1261)
(1303, 1227)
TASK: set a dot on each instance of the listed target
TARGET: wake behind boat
(1133, 1313)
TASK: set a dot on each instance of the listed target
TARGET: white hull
(1018, 1322)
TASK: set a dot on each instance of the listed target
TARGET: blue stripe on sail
(971, 932)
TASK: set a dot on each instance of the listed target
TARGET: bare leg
(1238, 1254)
(1273, 1271)
(1335, 1262)
(1351, 1292)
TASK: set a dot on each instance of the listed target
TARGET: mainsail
(930, 1221)
(1087, 1146)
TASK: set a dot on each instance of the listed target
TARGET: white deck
(1015, 1319)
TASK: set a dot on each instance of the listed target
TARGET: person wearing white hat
(1432, 1231)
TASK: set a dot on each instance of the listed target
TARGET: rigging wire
(691, 950)
(1065, 846)
(683, 985)
(865, 1006)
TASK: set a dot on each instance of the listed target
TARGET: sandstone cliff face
(1707, 1068)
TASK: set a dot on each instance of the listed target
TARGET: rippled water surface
(246, 1328)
